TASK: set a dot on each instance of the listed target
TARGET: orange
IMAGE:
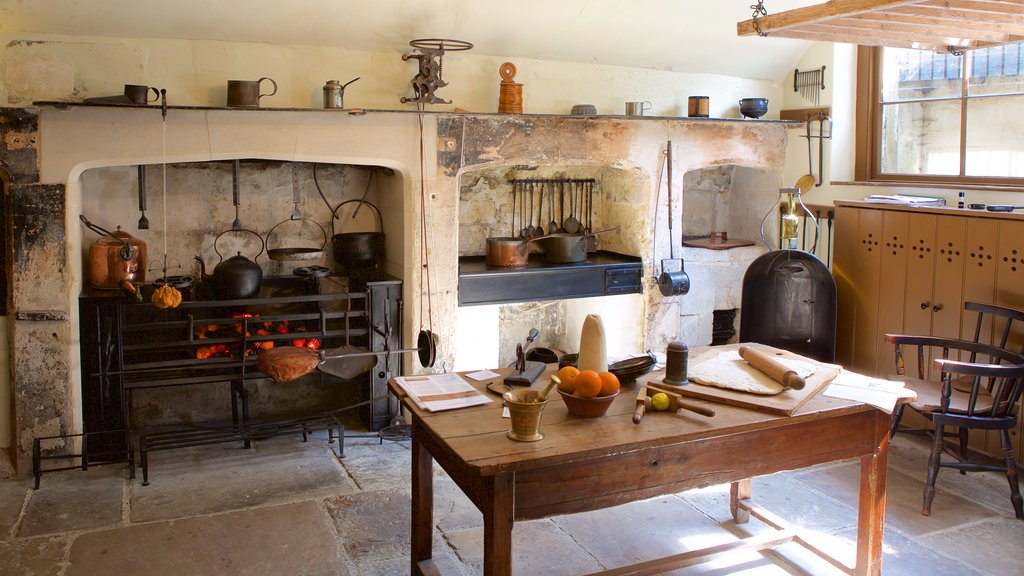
(567, 375)
(609, 384)
(588, 384)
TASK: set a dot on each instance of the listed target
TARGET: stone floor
(289, 508)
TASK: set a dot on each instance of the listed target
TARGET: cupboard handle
(937, 307)
(924, 305)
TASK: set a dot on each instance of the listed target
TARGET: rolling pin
(773, 368)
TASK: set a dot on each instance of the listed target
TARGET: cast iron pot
(568, 248)
(359, 252)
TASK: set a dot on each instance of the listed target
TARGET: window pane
(916, 74)
(995, 146)
(997, 70)
(921, 138)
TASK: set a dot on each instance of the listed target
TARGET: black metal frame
(127, 347)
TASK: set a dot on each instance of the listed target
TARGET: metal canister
(334, 94)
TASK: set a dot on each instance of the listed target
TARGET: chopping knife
(775, 370)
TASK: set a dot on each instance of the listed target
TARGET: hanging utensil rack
(823, 121)
(574, 200)
(809, 83)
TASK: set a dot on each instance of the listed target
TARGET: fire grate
(246, 432)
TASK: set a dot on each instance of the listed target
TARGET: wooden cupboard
(910, 270)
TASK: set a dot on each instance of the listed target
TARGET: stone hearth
(71, 140)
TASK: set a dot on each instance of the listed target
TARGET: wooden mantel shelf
(938, 25)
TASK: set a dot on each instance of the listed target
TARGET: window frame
(868, 143)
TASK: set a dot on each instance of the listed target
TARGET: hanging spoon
(540, 213)
(572, 225)
(513, 233)
(552, 225)
(561, 206)
(531, 230)
(522, 209)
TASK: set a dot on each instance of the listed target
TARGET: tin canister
(334, 94)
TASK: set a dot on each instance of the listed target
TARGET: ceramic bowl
(587, 407)
(754, 107)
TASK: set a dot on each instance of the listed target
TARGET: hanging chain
(759, 10)
(954, 51)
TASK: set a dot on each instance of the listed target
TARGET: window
(941, 118)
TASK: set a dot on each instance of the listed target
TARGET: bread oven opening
(284, 209)
(500, 304)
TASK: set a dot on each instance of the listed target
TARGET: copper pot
(508, 251)
(116, 259)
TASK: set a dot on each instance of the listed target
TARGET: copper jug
(116, 259)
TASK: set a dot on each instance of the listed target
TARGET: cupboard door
(843, 259)
(1009, 291)
(981, 251)
(917, 315)
(867, 278)
(947, 295)
(892, 286)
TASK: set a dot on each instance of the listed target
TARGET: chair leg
(1011, 474)
(962, 433)
(933, 471)
(894, 420)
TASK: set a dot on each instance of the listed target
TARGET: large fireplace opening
(192, 217)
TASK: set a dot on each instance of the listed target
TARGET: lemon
(659, 401)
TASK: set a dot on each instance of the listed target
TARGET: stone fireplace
(732, 167)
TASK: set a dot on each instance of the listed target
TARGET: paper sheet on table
(437, 392)
(882, 394)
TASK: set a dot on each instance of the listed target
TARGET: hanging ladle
(287, 363)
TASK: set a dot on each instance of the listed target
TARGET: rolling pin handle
(638, 415)
(793, 380)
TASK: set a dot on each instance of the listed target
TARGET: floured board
(785, 403)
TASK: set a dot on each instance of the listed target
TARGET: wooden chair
(980, 392)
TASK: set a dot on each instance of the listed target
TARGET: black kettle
(234, 278)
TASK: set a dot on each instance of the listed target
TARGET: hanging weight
(426, 345)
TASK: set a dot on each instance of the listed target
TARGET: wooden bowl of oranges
(587, 393)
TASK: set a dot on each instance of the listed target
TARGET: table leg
(871, 506)
(422, 507)
(498, 521)
(739, 490)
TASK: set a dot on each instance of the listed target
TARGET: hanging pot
(359, 252)
(116, 259)
(297, 253)
(568, 248)
(237, 277)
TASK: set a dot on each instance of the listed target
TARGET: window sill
(933, 185)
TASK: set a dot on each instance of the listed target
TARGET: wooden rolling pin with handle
(775, 370)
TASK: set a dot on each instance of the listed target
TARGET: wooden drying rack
(938, 25)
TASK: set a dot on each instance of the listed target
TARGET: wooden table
(588, 464)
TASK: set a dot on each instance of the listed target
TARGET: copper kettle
(116, 259)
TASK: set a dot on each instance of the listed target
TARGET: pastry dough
(730, 371)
